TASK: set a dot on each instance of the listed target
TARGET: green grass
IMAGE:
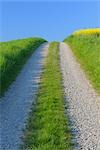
(48, 128)
(13, 55)
(87, 51)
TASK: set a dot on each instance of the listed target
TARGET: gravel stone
(17, 101)
(84, 103)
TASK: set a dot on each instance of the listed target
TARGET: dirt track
(84, 104)
(16, 104)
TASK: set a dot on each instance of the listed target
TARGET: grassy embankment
(86, 46)
(13, 55)
(48, 128)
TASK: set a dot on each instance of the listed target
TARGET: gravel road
(84, 103)
(17, 102)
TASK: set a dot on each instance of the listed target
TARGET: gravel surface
(17, 102)
(84, 103)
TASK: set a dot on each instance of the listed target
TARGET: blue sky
(52, 20)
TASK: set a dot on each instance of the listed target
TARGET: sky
(52, 20)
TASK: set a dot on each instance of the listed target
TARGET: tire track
(16, 104)
(84, 103)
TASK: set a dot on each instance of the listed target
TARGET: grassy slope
(47, 127)
(13, 55)
(87, 50)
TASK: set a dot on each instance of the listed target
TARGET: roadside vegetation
(13, 55)
(47, 127)
(86, 46)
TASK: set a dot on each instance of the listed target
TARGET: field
(48, 128)
(13, 55)
(63, 94)
(85, 44)
(94, 31)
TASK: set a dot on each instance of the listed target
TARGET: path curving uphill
(84, 103)
(17, 102)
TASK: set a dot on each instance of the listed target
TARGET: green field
(48, 127)
(87, 51)
(13, 55)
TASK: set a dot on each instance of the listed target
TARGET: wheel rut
(84, 103)
(17, 101)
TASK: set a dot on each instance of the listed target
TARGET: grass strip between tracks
(48, 128)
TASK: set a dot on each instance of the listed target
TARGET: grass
(13, 55)
(87, 50)
(48, 128)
